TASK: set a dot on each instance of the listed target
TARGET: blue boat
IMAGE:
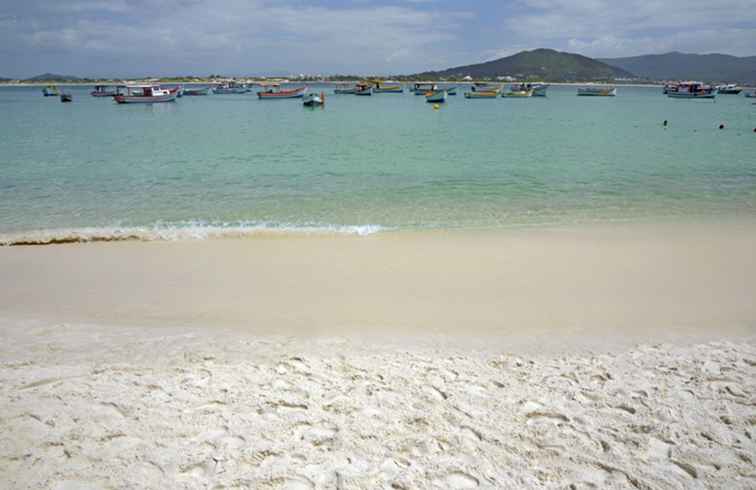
(50, 91)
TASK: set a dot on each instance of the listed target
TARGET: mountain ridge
(541, 63)
(675, 65)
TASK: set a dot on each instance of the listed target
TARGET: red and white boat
(275, 92)
(146, 94)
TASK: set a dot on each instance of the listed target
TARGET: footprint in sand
(460, 480)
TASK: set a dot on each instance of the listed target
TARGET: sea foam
(192, 230)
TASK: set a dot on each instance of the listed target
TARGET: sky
(125, 38)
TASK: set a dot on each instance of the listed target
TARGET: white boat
(146, 94)
(692, 90)
(729, 89)
(313, 99)
(597, 91)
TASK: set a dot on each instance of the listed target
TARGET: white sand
(100, 407)
(610, 357)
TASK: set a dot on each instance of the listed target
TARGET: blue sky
(167, 37)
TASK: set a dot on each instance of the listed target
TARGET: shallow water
(231, 164)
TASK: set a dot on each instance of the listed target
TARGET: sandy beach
(595, 357)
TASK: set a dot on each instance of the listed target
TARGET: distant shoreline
(325, 82)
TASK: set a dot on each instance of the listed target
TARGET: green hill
(52, 77)
(684, 66)
(541, 64)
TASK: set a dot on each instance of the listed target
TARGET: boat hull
(284, 94)
(597, 93)
(397, 90)
(481, 95)
(729, 91)
(193, 92)
(436, 97)
(345, 91)
(365, 92)
(231, 91)
(677, 95)
(518, 94)
(140, 99)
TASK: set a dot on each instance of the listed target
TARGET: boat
(66, 98)
(451, 90)
(424, 88)
(480, 94)
(752, 93)
(521, 90)
(597, 91)
(231, 88)
(345, 90)
(104, 91)
(145, 94)
(50, 91)
(179, 89)
(539, 89)
(362, 89)
(729, 89)
(387, 88)
(485, 87)
(436, 96)
(313, 99)
(193, 92)
(276, 92)
(670, 87)
(692, 90)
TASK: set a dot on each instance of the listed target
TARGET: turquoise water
(231, 163)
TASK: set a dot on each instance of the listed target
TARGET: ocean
(235, 165)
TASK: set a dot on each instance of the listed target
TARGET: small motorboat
(424, 88)
(436, 96)
(66, 98)
(345, 90)
(692, 90)
(276, 92)
(597, 91)
(145, 94)
(50, 91)
(521, 90)
(362, 89)
(451, 90)
(231, 88)
(482, 94)
(313, 99)
(104, 91)
(387, 88)
(729, 89)
(750, 94)
(194, 92)
(485, 87)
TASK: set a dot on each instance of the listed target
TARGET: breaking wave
(179, 231)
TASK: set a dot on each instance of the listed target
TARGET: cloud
(235, 36)
(608, 28)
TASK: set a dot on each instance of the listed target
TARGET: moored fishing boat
(104, 91)
(436, 96)
(485, 87)
(145, 94)
(692, 90)
(276, 92)
(597, 91)
(231, 88)
(193, 92)
(313, 99)
(451, 90)
(481, 94)
(345, 90)
(520, 90)
(752, 93)
(66, 97)
(424, 88)
(380, 87)
(729, 89)
(539, 89)
(363, 89)
(51, 91)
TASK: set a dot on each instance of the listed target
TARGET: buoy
(721, 126)
(436, 107)
(665, 123)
